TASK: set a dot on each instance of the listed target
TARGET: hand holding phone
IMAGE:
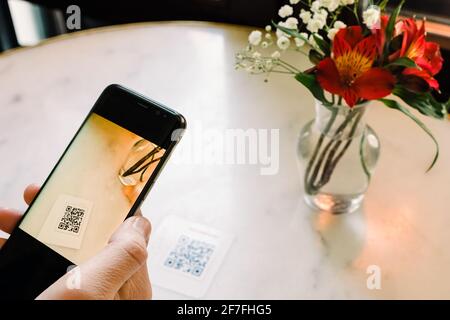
(72, 285)
(101, 179)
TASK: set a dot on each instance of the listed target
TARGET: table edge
(112, 28)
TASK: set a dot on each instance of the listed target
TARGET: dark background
(97, 13)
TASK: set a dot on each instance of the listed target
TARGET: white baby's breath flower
(283, 43)
(287, 25)
(336, 27)
(305, 16)
(285, 11)
(331, 5)
(268, 36)
(294, 1)
(318, 21)
(264, 44)
(371, 17)
(300, 42)
(256, 55)
(331, 33)
(255, 37)
(280, 33)
(315, 24)
(276, 54)
(322, 14)
(339, 25)
(268, 28)
(347, 2)
(315, 6)
(291, 23)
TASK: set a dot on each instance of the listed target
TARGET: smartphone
(100, 180)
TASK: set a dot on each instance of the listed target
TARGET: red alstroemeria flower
(432, 82)
(413, 42)
(380, 33)
(431, 61)
(425, 54)
(349, 72)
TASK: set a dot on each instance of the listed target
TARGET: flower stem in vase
(330, 150)
(307, 183)
(331, 163)
(143, 154)
(135, 168)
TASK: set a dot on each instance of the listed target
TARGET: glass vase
(137, 167)
(338, 153)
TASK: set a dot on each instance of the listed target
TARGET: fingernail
(143, 227)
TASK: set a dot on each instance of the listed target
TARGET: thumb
(103, 275)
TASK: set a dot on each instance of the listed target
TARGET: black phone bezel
(136, 113)
(132, 111)
(145, 117)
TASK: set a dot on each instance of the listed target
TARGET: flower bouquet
(359, 53)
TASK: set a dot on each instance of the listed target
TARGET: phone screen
(92, 189)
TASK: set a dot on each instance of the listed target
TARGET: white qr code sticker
(185, 256)
(190, 256)
(70, 221)
(66, 222)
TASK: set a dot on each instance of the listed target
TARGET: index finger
(30, 192)
(9, 219)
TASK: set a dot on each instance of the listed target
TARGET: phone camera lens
(157, 112)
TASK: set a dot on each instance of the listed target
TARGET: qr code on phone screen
(189, 256)
(71, 220)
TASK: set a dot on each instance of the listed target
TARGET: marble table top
(282, 249)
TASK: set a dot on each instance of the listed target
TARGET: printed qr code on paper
(189, 256)
(71, 220)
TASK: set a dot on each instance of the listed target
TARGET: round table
(282, 249)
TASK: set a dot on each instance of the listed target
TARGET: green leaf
(323, 45)
(404, 62)
(391, 23)
(310, 82)
(395, 105)
(422, 102)
(383, 4)
(396, 43)
(392, 20)
(314, 56)
(290, 32)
